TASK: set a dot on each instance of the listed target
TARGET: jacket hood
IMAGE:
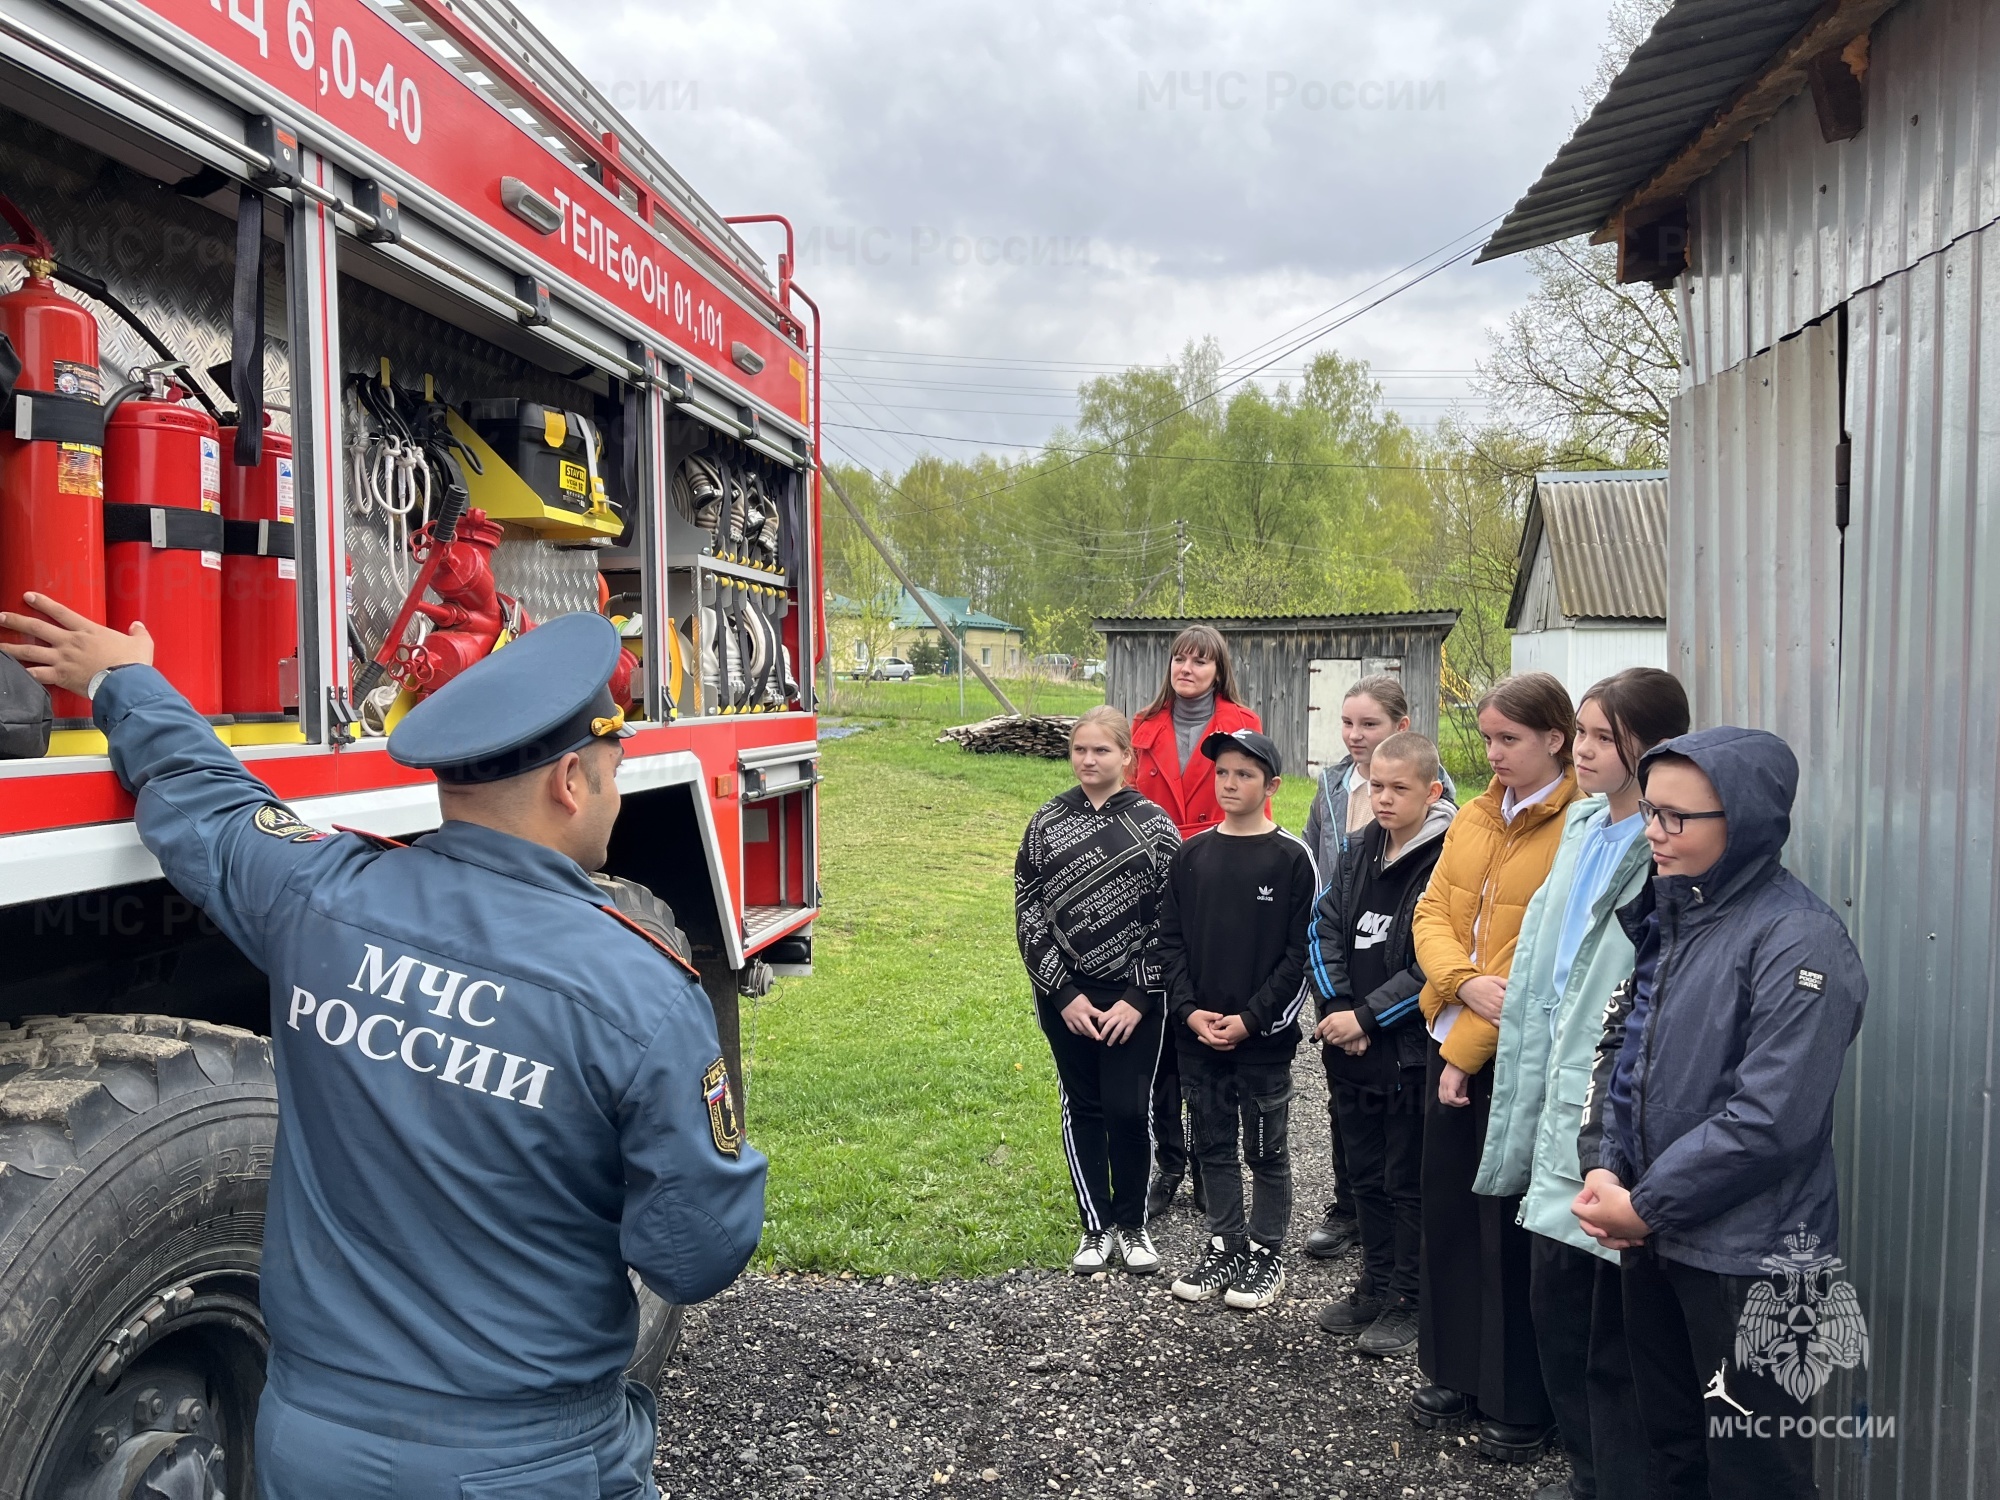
(1756, 776)
(1436, 821)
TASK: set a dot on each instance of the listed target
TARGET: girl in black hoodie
(1086, 912)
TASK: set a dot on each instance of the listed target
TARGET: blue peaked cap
(526, 705)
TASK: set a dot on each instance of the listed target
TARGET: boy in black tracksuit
(1233, 918)
(1362, 965)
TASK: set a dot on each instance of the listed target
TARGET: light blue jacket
(1540, 1082)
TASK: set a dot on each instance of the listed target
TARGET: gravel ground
(1039, 1383)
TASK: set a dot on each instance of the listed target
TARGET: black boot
(1335, 1235)
(1439, 1406)
(1160, 1196)
(1513, 1442)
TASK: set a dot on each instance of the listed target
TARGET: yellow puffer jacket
(1487, 875)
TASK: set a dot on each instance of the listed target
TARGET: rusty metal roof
(1700, 55)
(1607, 536)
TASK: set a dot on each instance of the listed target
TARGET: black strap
(174, 528)
(10, 372)
(43, 417)
(257, 539)
(246, 330)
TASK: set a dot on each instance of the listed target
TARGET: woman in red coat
(1197, 699)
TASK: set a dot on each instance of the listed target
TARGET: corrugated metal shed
(1699, 56)
(1273, 655)
(1851, 293)
(1790, 226)
(1876, 652)
(1753, 622)
(1915, 829)
(1606, 538)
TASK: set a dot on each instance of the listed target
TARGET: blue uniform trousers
(595, 1444)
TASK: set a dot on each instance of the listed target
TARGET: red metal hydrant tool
(471, 612)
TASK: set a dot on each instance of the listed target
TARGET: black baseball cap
(1250, 742)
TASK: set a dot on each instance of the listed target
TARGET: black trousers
(1586, 1369)
(1107, 1137)
(1384, 1132)
(1343, 1179)
(1170, 1149)
(1475, 1333)
(1242, 1104)
(1681, 1325)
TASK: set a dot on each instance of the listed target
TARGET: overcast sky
(995, 199)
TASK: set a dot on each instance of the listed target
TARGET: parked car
(1093, 670)
(891, 669)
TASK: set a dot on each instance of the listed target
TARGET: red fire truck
(344, 341)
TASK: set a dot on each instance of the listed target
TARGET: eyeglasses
(1671, 822)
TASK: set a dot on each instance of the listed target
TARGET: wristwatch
(97, 679)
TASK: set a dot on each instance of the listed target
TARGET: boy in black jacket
(1362, 965)
(1233, 918)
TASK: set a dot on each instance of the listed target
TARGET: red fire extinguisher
(51, 479)
(163, 531)
(260, 591)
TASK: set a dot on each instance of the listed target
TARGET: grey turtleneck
(1191, 716)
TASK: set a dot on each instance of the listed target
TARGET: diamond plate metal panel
(550, 581)
(172, 258)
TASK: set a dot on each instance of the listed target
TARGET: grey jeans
(1237, 1105)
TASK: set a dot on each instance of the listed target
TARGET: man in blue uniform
(495, 1094)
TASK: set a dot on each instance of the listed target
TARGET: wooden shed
(1292, 669)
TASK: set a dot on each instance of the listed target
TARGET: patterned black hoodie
(1087, 894)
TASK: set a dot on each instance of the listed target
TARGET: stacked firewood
(1043, 735)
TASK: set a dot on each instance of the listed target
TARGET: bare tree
(1584, 372)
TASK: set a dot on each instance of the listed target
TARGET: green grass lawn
(904, 1093)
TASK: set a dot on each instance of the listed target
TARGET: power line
(1254, 349)
(1317, 333)
(1170, 458)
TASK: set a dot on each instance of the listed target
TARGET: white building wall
(1579, 655)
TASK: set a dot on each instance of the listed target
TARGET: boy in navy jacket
(1708, 1148)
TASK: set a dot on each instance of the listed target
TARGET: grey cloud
(947, 162)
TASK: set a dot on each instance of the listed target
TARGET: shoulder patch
(280, 822)
(1812, 979)
(722, 1122)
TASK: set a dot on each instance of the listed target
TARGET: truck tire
(659, 1332)
(135, 1156)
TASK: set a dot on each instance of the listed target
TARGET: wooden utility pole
(923, 599)
(1180, 567)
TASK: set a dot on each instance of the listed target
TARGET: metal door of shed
(1327, 682)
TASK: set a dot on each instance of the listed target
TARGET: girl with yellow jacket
(1476, 1341)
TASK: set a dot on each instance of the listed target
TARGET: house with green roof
(895, 624)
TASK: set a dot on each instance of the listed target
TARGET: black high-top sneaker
(1259, 1279)
(1211, 1274)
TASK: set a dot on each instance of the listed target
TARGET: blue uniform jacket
(1723, 1062)
(494, 1097)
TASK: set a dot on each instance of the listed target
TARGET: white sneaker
(1135, 1248)
(1093, 1253)
(1259, 1279)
